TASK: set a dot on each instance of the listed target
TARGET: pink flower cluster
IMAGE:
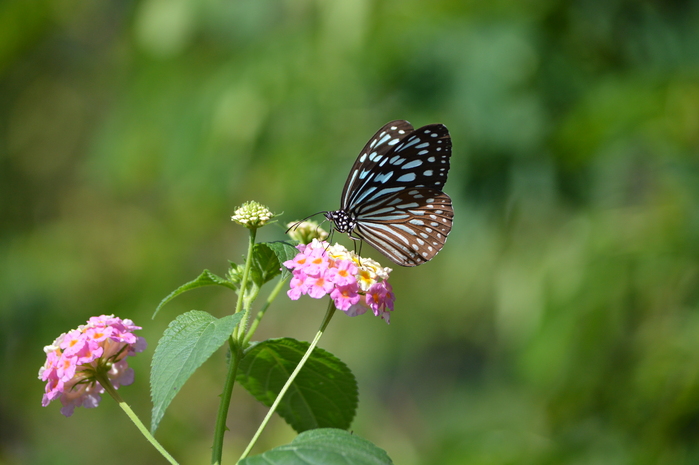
(354, 283)
(73, 361)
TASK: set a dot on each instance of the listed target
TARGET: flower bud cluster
(305, 231)
(252, 215)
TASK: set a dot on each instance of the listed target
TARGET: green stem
(107, 385)
(217, 448)
(324, 324)
(236, 355)
(240, 329)
(261, 313)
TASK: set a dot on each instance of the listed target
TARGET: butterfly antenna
(296, 225)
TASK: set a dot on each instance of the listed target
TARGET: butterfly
(393, 196)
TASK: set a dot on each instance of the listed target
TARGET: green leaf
(284, 251)
(326, 446)
(265, 265)
(206, 278)
(323, 395)
(188, 342)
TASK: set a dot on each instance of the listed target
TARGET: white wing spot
(439, 149)
(424, 236)
(384, 138)
(382, 178)
(429, 200)
(434, 224)
(435, 135)
(394, 142)
(362, 158)
(434, 217)
(423, 152)
(414, 246)
(393, 128)
(431, 159)
(427, 131)
(417, 222)
(420, 241)
(401, 132)
(439, 212)
(412, 164)
(412, 140)
(406, 178)
(426, 172)
(423, 145)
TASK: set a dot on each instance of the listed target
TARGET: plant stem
(261, 313)
(240, 329)
(107, 385)
(236, 355)
(323, 325)
(220, 429)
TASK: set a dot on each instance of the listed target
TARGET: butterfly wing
(383, 141)
(419, 159)
(396, 197)
(409, 227)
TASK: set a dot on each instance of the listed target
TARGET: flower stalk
(109, 388)
(235, 345)
(328, 316)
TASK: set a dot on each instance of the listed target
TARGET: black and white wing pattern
(393, 195)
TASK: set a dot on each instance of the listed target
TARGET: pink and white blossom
(355, 284)
(76, 358)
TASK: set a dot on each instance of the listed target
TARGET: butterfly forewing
(419, 159)
(393, 196)
(371, 155)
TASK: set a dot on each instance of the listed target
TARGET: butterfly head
(344, 222)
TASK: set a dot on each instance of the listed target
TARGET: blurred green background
(560, 324)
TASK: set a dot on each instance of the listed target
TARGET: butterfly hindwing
(412, 226)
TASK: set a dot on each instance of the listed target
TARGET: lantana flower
(356, 284)
(252, 215)
(77, 359)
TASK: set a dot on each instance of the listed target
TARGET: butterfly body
(393, 195)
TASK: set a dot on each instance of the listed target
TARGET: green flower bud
(252, 215)
(306, 231)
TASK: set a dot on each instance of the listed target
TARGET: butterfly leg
(361, 242)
